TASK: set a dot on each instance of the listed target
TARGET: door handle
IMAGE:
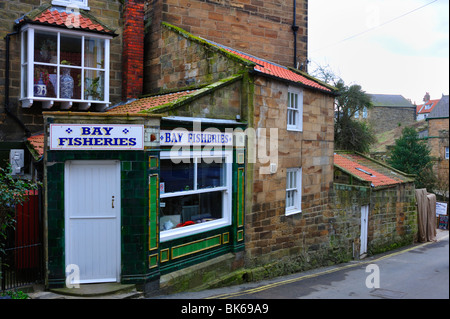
(112, 203)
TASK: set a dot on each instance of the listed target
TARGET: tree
(349, 134)
(412, 156)
(12, 192)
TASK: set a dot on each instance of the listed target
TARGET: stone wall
(438, 141)
(392, 217)
(384, 119)
(270, 234)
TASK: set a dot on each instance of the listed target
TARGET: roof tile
(352, 164)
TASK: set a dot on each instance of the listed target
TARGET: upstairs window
(81, 4)
(64, 66)
(295, 109)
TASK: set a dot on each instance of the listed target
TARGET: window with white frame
(446, 153)
(365, 112)
(64, 66)
(295, 109)
(195, 193)
(81, 4)
(293, 191)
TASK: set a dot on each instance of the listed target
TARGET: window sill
(192, 230)
(292, 129)
(47, 103)
(292, 212)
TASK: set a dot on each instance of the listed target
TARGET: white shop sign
(185, 137)
(96, 137)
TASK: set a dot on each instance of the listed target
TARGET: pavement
(119, 291)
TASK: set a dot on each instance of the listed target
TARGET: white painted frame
(28, 97)
(294, 186)
(226, 190)
(294, 113)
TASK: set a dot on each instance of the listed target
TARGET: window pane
(177, 177)
(183, 211)
(94, 85)
(45, 81)
(70, 50)
(70, 82)
(25, 47)
(94, 53)
(210, 172)
(45, 47)
(24, 80)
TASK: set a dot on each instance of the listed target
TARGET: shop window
(295, 109)
(195, 193)
(293, 190)
(64, 66)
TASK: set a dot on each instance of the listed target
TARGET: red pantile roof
(72, 20)
(352, 164)
(143, 104)
(37, 144)
(426, 107)
(58, 16)
(279, 71)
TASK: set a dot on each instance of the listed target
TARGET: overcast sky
(386, 46)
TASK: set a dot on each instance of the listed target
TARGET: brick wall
(261, 28)
(109, 12)
(133, 49)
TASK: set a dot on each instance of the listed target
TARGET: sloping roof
(390, 100)
(441, 108)
(281, 72)
(147, 103)
(273, 69)
(36, 145)
(371, 171)
(426, 107)
(162, 102)
(58, 16)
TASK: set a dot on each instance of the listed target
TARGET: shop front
(129, 198)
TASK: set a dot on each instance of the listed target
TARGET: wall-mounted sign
(96, 137)
(184, 137)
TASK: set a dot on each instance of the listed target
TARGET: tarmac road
(420, 271)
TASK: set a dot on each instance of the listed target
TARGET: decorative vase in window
(67, 84)
(40, 89)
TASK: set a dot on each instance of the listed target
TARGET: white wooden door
(364, 229)
(92, 216)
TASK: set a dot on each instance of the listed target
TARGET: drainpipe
(295, 29)
(7, 110)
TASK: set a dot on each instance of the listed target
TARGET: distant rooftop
(390, 100)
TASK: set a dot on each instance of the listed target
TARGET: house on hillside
(390, 111)
(424, 109)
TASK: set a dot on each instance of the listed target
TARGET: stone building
(438, 141)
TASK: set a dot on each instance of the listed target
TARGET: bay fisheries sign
(96, 137)
(182, 137)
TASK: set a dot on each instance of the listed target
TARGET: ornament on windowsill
(40, 88)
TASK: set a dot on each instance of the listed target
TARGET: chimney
(133, 49)
(426, 98)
